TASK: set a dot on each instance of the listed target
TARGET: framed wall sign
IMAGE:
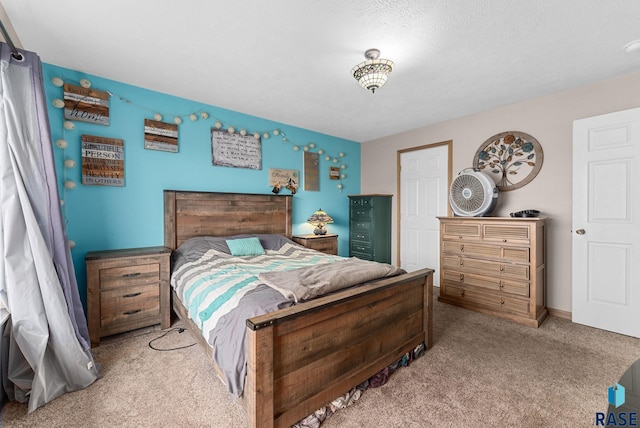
(102, 161)
(282, 176)
(511, 158)
(160, 136)
(311, 166)
(86, 104)
(236, 150)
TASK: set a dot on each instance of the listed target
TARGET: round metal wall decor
(511, 158)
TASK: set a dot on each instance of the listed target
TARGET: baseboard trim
(560, 314)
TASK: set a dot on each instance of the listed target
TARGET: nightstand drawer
(129, 275)
(125, 305)
(327, 244)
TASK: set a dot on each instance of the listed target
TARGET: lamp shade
(319, 219)
(372, 73)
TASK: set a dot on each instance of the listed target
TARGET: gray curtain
(46, 347)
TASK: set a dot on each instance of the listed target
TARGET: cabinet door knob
(461, 278)
(581, 231)
(462, 247)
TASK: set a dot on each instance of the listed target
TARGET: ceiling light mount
(372, 73)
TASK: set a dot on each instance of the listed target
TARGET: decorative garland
(69, 125)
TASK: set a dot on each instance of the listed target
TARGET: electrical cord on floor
(179, 330)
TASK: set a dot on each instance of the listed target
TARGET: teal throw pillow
(245, 246)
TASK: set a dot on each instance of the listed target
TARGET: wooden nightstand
(127, 289)
(324, 243)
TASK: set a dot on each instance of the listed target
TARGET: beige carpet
(481, 371)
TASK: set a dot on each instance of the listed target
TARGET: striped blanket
(213, 285)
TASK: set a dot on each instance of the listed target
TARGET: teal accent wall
(105, 217)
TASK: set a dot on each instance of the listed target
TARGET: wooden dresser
(324, 243)
(127, 289)
(494, 265)
(370, 227)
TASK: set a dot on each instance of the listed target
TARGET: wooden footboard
(301, 358)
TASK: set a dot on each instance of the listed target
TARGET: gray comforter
(313, 281)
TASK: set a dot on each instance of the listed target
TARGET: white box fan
(473, 193)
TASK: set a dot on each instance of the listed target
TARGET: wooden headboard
(188, 214)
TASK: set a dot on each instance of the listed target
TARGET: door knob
(580, 231)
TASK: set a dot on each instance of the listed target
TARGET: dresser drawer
(459, 231)
(361, 213)
(512, 233)
(486, 251)
(361, 247)
(362, 237)
(486, 267)
(485, 298)
(361, 225)
(362, 201)
(486, 282)
(129, 275)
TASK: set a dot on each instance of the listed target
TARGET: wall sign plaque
(86, 105)
(311, 176)
(282, 176)
(102, 161)
(160, 136)
(511, 158)
(235, 150)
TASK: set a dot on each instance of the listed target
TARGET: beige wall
(550, 120)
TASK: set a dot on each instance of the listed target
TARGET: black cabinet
(370, 227)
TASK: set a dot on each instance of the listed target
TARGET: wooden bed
(303, 357)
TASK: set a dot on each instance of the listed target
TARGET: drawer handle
(134, 311)
(502, 301)
(132, 294)
(504, 240)
(462, 248)
(131, 275)
(461, 278)
(461, 262)
(501, 268)
(501, 284)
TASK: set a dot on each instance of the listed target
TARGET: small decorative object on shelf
(319, 219)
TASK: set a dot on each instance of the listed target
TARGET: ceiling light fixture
(372, 73)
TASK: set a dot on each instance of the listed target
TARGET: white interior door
(424, 187)
(606, 229)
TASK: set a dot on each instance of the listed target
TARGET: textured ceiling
(289, 60)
